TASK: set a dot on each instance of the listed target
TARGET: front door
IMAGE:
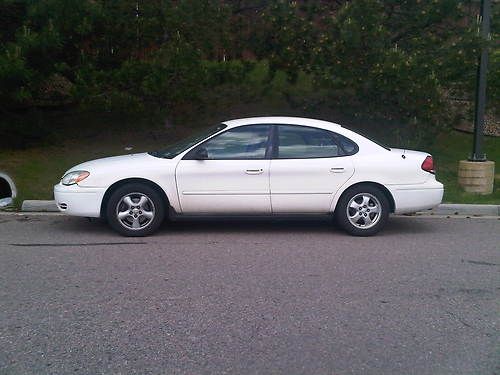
(309, 165)
(231, 178)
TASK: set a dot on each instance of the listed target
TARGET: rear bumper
(79, 201)
(413, 198)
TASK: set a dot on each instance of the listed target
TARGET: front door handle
(254, 171)
(337, 170)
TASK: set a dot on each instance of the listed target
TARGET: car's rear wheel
(362, 210)
(135, 210)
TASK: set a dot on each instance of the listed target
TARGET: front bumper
(413, 198)
(79, 201)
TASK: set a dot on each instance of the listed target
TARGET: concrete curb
(442, 209)
(465, 209)
(39, 206)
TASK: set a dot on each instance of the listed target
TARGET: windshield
(175, 149)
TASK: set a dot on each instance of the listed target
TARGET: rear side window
(348, 146)
(302, 142)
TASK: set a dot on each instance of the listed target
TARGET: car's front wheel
(362, 210)
(135, 210)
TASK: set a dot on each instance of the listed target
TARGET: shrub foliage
(396, 58)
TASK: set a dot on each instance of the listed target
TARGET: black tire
(360, 219)
(135, 223)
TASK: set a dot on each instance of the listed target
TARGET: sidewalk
(442, 209)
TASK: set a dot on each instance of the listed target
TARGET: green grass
(36, 170)
(453, 146)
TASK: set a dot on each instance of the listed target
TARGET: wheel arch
(120, 183)
(382, 188)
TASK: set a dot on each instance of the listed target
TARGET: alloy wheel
(135, 211)
(364, 210)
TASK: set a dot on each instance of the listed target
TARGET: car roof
(280, 120)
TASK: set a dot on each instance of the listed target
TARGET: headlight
(74, 177)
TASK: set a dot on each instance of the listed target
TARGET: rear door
(308, 166)
(233, 179)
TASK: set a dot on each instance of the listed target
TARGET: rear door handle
(254, 171)
(337, 170)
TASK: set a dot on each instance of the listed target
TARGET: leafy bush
(387, 58)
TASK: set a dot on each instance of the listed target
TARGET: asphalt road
(233, 297)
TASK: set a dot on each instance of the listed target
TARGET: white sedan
(255, 166)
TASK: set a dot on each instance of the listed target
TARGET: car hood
(106, 171)
(130, 161)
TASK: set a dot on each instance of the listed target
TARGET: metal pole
(477, 151)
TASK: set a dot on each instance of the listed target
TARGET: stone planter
(476, 177)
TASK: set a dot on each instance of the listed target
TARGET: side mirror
(201, 153)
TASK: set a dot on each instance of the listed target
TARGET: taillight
(428, 164)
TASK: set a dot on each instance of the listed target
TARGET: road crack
(76, 244)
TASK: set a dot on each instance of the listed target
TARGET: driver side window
(244, 142)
